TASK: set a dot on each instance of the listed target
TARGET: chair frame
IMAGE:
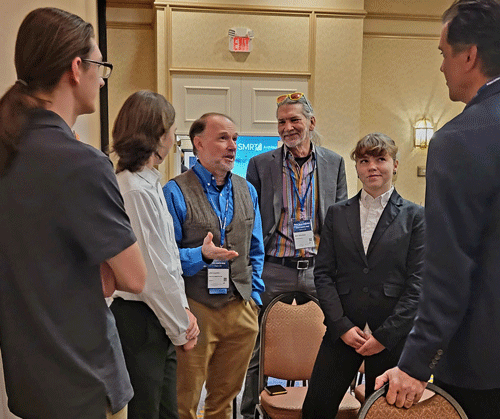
(382, 392)
(259, 411)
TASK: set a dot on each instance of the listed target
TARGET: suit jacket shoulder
(267, 156)
(329, 154)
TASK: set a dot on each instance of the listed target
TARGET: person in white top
(368, 273)
(152, 323)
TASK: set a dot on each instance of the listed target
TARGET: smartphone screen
(275, 389)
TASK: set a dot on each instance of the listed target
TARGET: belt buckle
(302, 264)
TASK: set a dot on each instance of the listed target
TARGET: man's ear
(198, 144)
(472, 60)
(75, 71)
(313, 123)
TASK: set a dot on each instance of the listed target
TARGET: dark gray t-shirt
(61, 215)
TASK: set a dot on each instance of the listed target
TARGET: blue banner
(250, 146)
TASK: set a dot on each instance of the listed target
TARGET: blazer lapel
(277, 183)
(390, 212)
(354, 224)
(326, 189)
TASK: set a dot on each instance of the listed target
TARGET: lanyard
(302, 201)
(222, 220)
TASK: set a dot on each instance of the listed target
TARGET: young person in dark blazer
(367, 276)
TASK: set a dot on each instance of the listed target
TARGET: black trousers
(151, 361)
(335, 367)
(477, 404)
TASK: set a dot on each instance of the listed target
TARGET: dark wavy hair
(476, 22)
(47, 42)
(143, 119)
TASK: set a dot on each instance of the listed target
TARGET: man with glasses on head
(296, 183)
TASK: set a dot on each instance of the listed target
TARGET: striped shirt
(282, 244)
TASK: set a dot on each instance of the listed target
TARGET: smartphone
(275, 390)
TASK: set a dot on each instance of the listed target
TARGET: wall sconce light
(423, 131)
(240, 39)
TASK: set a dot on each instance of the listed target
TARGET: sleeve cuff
(179, 340)
(206, 260)
(339, 327)
(384, 339)
(413, 365)
(184, 301)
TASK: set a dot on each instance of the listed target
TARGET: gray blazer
(266, 174)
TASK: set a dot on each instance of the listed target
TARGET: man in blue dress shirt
(219, 233)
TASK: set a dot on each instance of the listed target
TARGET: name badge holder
(218, 277)
(303, 235)
(218, 270)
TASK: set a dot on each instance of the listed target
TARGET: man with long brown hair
(62, 221)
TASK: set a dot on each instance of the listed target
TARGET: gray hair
(307, 111)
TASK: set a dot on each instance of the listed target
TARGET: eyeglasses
(104, 69)
(292, 96)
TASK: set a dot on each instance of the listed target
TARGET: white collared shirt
(493, 81)
(153, 226)
(370, 211)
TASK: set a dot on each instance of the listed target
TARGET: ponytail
(15, 107)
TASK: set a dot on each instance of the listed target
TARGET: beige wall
(401, 81)
(408, 7)
(337, 85)
(131, 49)
(378, 72)
(298, 4)
(133, 65)
(194, 49)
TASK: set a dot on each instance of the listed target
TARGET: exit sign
(240, 44)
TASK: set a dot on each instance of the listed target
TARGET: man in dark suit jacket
(456, 335)
(296, 183)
